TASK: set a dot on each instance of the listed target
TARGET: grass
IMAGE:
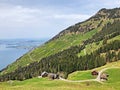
(45, 84)
(93, 46)
(113, 73)
(81, 75)
(41, 84)
(114, 78)
(84, 75)
(90, 48)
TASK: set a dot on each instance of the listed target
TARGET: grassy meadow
(113, 82)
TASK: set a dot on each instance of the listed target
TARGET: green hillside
(84, 75)
(46, 84)
(80, 75)
(83, 46)
(72, 36)
(50, 48)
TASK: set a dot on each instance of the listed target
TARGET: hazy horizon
(12, 49)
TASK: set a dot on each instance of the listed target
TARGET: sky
(45, 18)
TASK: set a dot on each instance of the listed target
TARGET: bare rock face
(108, 13)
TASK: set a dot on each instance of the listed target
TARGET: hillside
(83, 46)
(46, 84)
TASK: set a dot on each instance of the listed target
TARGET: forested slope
(64, 53)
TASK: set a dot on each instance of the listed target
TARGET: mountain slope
(63, 49)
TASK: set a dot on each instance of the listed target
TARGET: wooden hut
(53, 76)
(44, 74)
(94, 73)
(104, 76)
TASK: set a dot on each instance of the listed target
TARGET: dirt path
(100, 72)
(88, 80)
(77, 81)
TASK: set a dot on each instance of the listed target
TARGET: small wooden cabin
(104, 76)
(44, 74)
(53, 76)
(94, 73)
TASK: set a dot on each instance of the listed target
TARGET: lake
(10, 50)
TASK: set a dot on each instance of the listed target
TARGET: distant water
(10, 50)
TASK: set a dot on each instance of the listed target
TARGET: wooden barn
(94, 73)
(44, 74)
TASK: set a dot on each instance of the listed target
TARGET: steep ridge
(60, 54)
(82, 27)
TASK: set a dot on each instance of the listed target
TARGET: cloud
(19, 16)
(44, 18)
(71, 16)
(13, 15)
(111, 3)
(17, 20)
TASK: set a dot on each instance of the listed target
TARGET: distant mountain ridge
(77, 28)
